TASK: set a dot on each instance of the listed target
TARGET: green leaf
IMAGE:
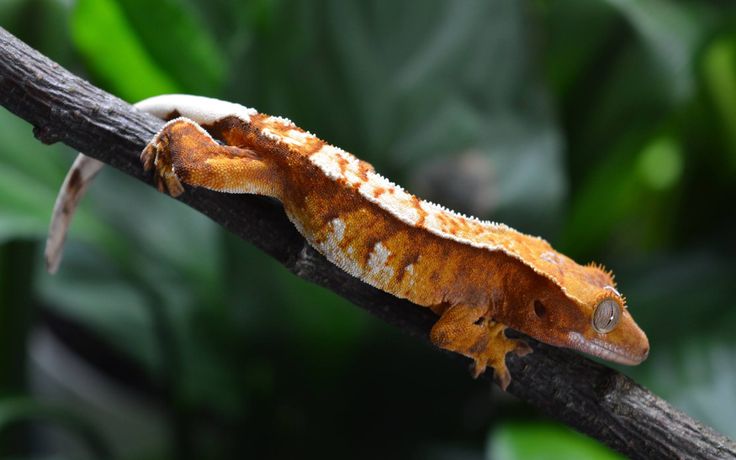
(543, 441)
(625, 196)
(178, 42)
(568, 59)
(672, 33)
(660, 163)
(30, 174)
(115, 54)
(719, 74)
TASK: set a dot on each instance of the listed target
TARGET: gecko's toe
(500, 372)
(173, 184)
(160, 184)
(503, 378)
(522, 348)
(148, 157)
(155, 156)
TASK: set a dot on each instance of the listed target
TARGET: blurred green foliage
(608, 126)
(542, 441)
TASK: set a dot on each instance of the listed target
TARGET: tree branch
(590, 397)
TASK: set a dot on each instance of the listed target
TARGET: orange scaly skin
(479, 277)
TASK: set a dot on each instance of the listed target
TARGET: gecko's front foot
(466, 330)
(157, 156)
(491, 351)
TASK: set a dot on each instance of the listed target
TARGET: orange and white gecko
(478, 277)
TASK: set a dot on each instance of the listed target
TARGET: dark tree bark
(588, 396)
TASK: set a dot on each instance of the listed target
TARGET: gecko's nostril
(539, 309)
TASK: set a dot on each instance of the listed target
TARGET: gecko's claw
(156, 156)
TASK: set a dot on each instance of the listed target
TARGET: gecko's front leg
(465, 329)
(184, 152)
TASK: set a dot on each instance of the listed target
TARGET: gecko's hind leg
(466, 330)
(183, 152)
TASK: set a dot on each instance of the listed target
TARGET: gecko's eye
(606, 316)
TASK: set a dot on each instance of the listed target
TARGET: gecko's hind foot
(157, 156)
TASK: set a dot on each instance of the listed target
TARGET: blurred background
(606, 126)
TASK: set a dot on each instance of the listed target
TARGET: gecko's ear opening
(606, 316)
(539, 309)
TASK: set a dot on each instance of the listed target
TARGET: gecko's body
(480, 277)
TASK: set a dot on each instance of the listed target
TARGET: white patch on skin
(293, 137)
(409, 270)
(271, 135)
(393, 198)
(327, 161)
(280, 120)
(612, 289)
(337, 163)
(550, 257)
(432, 220)
(193, 123)
(338, 229)
(377, 260)
(378, 257)
(203, 110)
(296, 137)
(330, 247)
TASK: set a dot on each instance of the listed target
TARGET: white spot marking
(200, 109)
(297, 137)
(271, 135)
(550, 257)
(377, 259)
(326, 159)
(394, 199)
(280, 120)
(338, 229)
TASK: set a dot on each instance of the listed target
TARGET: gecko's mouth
(606, 350)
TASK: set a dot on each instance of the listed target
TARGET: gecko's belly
(369, 265)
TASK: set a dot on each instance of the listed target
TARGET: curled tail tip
(52, 264)
(52, 255)
(79, 177)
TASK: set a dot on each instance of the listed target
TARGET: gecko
(479, 277)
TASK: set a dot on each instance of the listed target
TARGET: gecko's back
(478, 276)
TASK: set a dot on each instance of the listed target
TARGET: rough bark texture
(590, 397)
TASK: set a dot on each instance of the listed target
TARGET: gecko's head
(588, 316)
(607, 330)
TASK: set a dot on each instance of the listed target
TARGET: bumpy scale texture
(479, 277)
